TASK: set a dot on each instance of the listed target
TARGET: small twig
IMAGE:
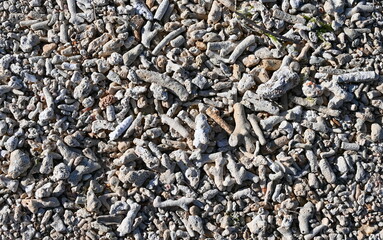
(264, 30)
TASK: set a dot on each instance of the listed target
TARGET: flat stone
(271, 64)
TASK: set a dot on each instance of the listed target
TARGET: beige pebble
(271, 64)
(250, 61)
(48, 48)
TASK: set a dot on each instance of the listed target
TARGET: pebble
(271, 64)
(376, 132)
(19, 163)
(60, 172)
(28, 42)
(251, 61)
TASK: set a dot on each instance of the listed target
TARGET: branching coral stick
(126, 225)
(164, 81)
(182, 202)
(133, 126)
(239, 172)
(356, 77)
(74, 19)
(167, 39)
(305, 214)
(161, 10)
(184, 116)
(175, 125)
(327, 171)
(147, 34)
(121, 128)
(201, 133)
(258, 131)
(214, 114)
(241, 47)
(217, 171)
(241, 134)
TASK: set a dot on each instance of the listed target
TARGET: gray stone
(19, 163)
(28, 42)
(60, 172)
(376, 132)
